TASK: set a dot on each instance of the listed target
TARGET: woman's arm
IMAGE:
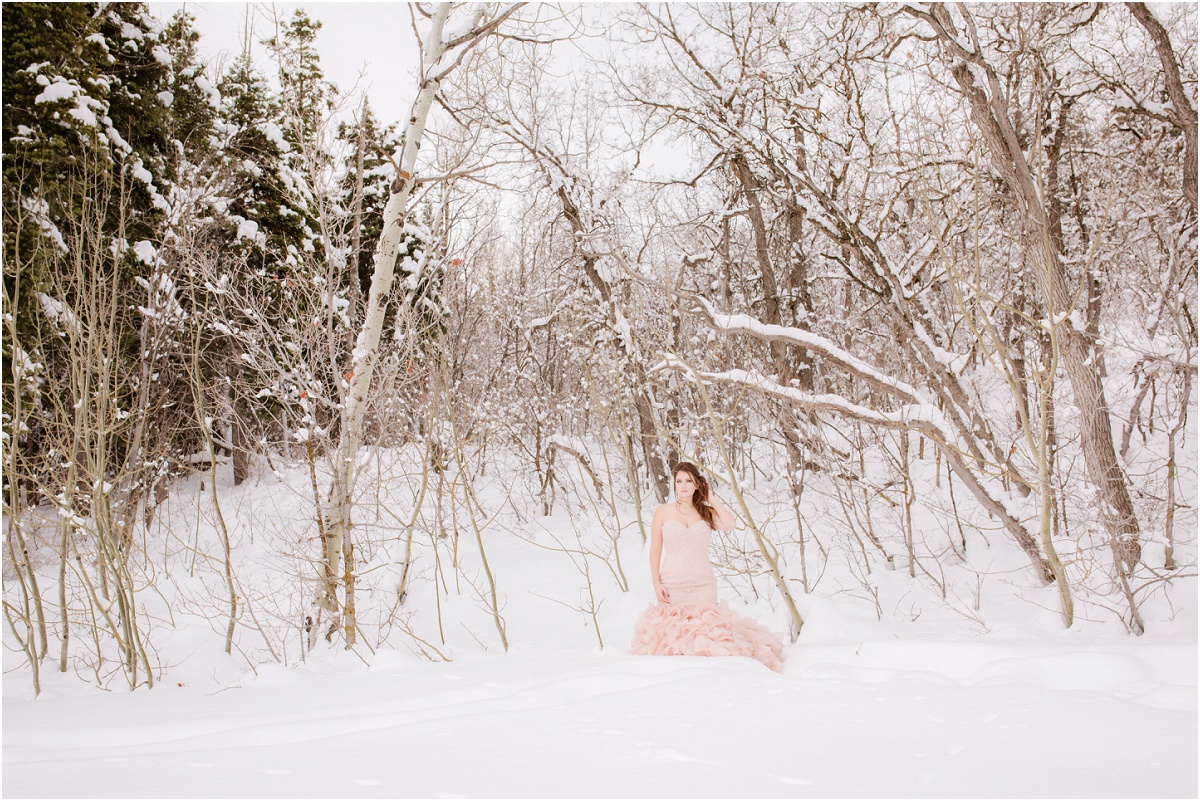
(724, 518)
(656, 546)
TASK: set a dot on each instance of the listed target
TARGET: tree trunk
(1184, 114)
(242, 445)
(784, 367)
(436, 65)
(1180, 425)
(365, 353)
(647, 427)
(1081, 359)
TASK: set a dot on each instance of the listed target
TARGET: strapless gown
(694, 623)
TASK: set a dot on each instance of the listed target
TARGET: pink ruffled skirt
(704, 629)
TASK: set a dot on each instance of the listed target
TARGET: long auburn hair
(701, 494)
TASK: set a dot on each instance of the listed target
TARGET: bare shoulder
(661, 512)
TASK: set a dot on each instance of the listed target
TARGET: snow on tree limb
(744, 324)
(923, 418)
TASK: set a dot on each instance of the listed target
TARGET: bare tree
(1181, 111)
(443, 51)
(1027, 186)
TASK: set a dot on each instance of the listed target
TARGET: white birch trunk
(366, 350)
(440, 57)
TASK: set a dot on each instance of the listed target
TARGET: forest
(914, 285)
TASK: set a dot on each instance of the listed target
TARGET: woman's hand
(664, 595)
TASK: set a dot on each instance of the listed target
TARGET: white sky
(374, 39)
(371, 44)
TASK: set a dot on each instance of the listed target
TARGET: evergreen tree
(78, 83)
(306, 95)
(84, 128)
(268, 223)
(191, 98)
(273, 155)
(377, 144)
(304, 106)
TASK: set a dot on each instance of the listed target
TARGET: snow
(145, 252)
(116, 138)
(954, 362)
(26, 371)
(621, 325)
(921, 701)
(247, 229)
(39, 209)
(84, 114)
(1146, 104)
(916, 412)
(131, 32)
(461, 27)
(275, 135)
(59, 89)
(138, 170)
(210, 91)
(882, 718)
(62, 89)
(744, 323)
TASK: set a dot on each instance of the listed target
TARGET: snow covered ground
(921, 700)
(1066, 717)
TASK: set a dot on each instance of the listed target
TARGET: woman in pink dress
(688, 620)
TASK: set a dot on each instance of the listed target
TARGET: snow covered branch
(923, 419)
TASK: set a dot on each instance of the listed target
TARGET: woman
(688, 620)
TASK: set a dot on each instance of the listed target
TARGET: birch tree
(444, 49)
